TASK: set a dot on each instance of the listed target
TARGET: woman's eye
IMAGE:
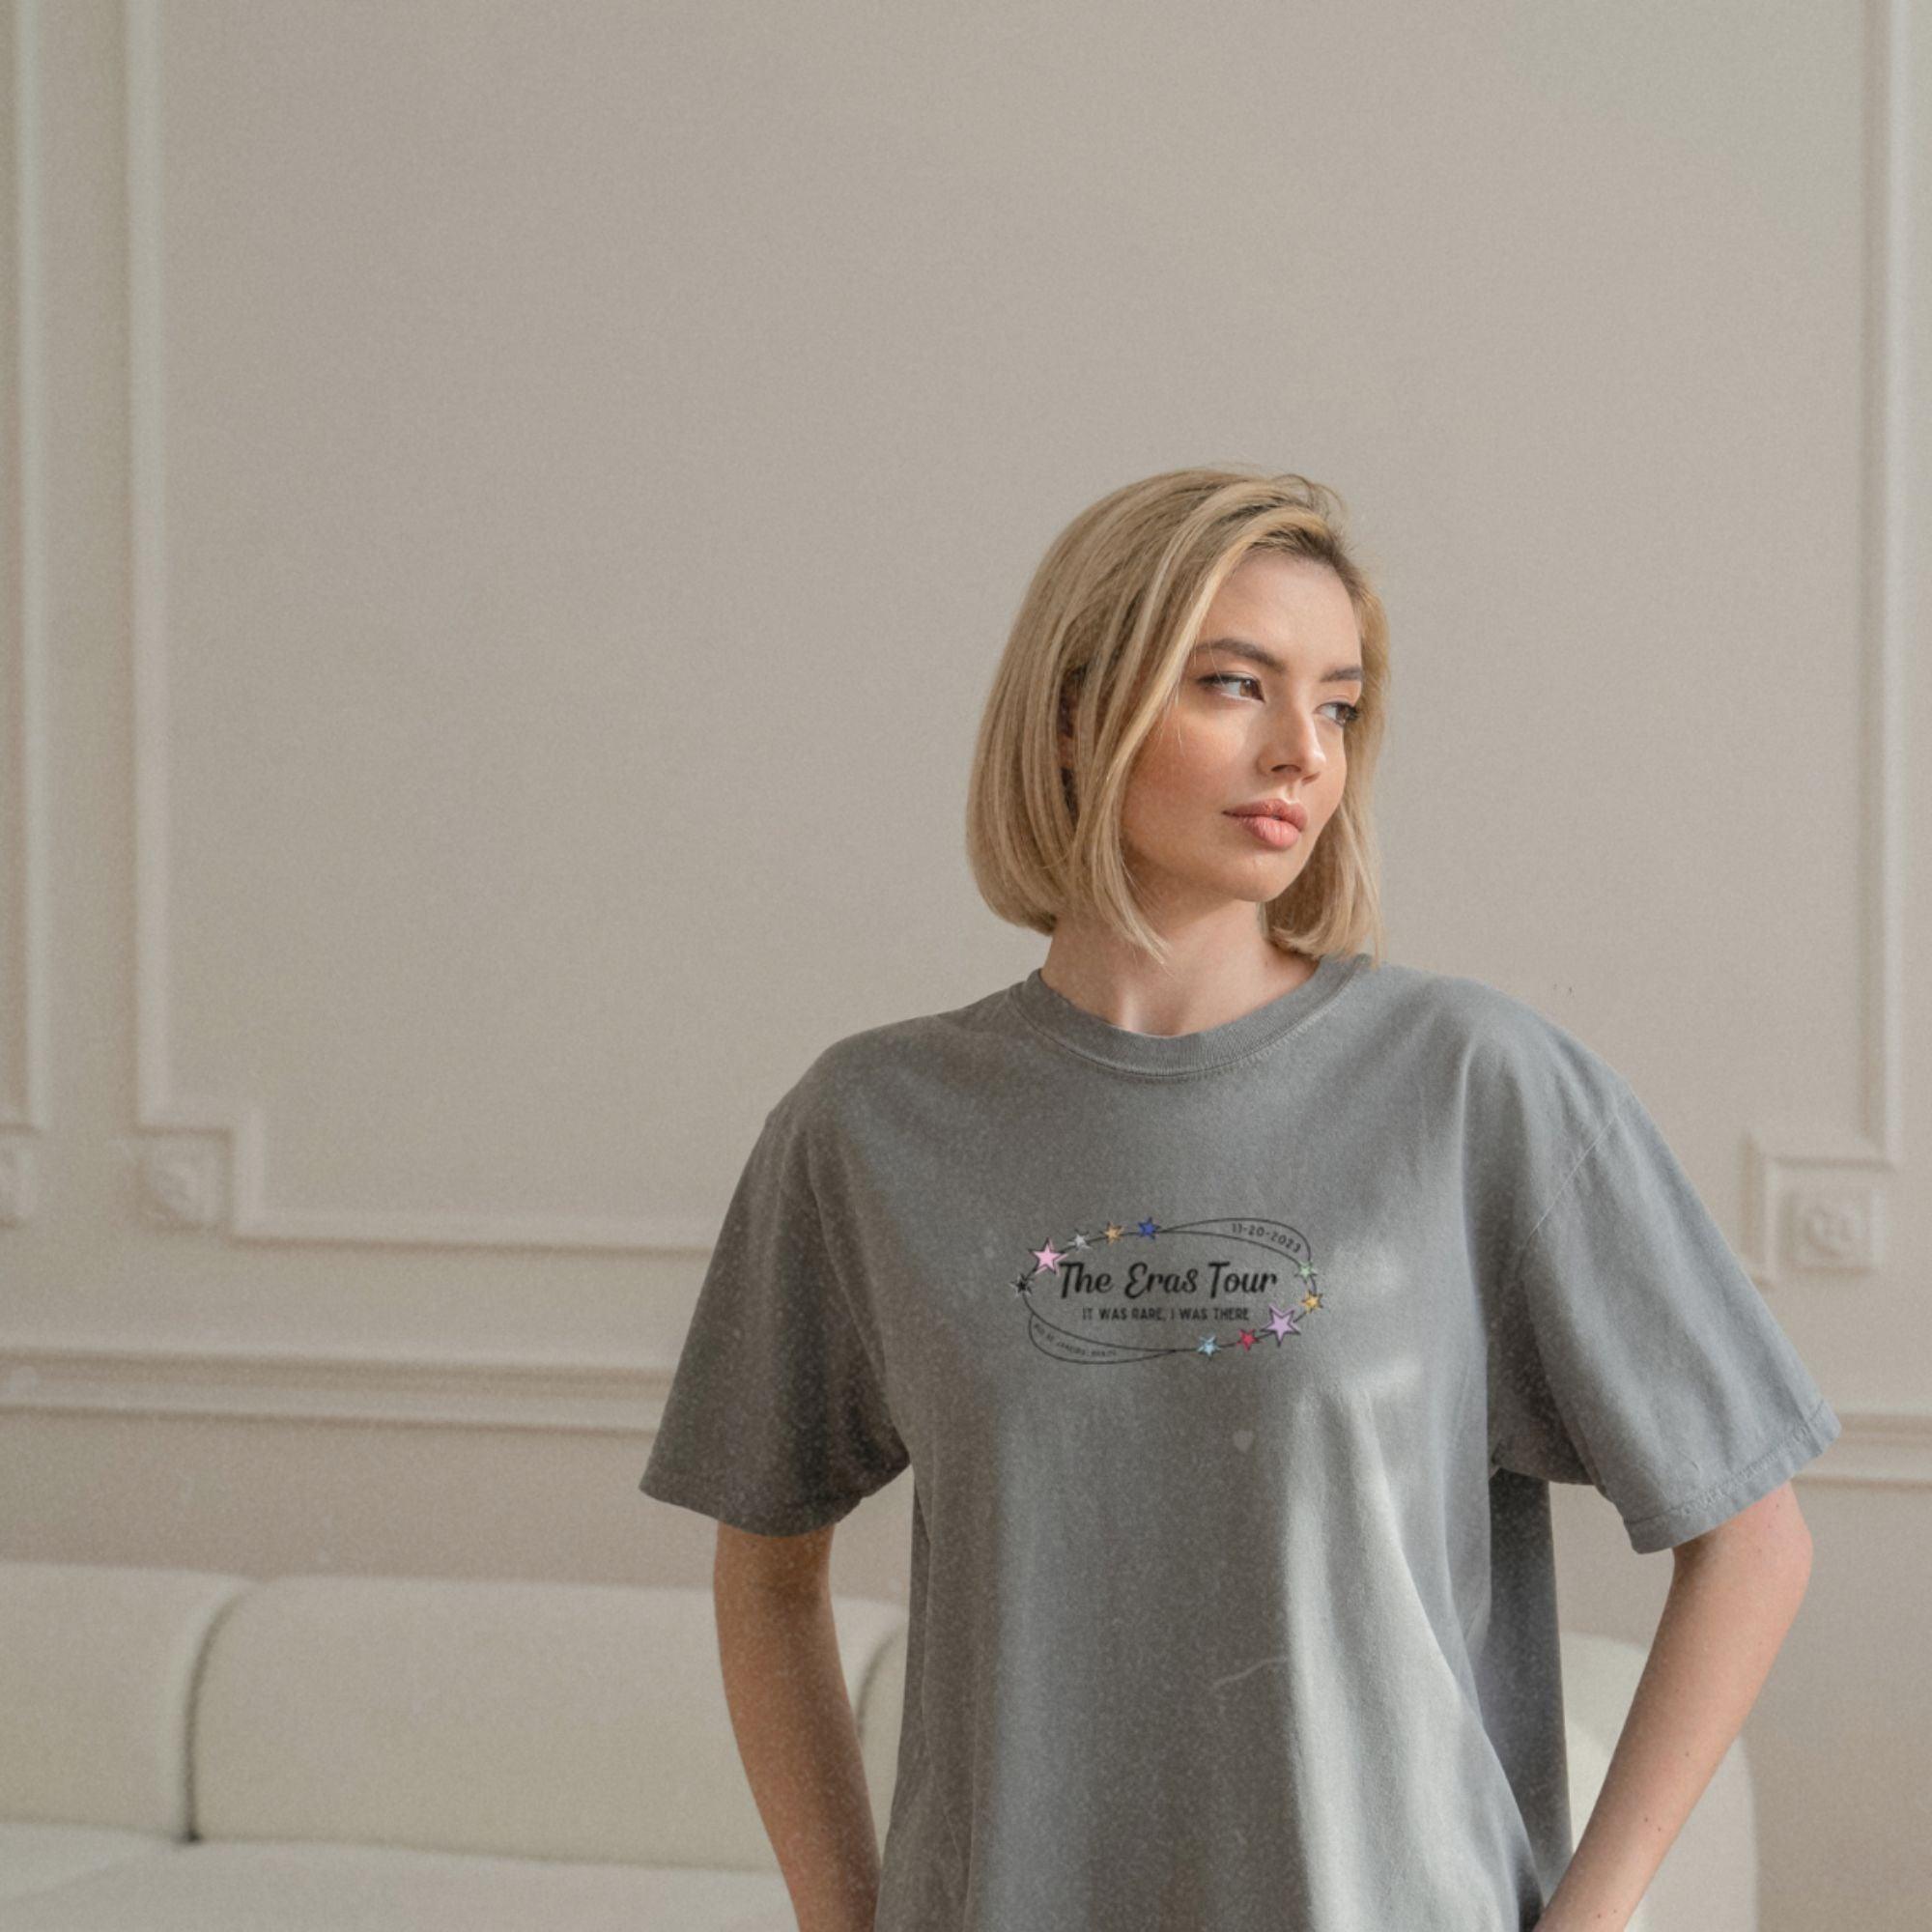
(1350, 712)
(1231, 677)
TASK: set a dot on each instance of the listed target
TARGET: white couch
(183, 1751)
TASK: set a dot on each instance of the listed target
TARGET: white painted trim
(1888, 1446)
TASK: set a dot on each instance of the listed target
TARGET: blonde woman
(1233, 1295)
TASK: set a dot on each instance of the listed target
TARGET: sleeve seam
(875, 1366)
(831, 1268)
(1556, 1200)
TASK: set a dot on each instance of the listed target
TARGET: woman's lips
(1279, 832)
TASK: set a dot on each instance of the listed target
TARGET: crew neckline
(1088, 1035)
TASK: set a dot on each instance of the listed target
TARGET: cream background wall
(510, 517)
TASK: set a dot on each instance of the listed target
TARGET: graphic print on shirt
(1107, 1303)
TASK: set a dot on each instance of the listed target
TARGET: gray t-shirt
(1232, 1368)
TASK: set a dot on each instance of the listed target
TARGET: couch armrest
(97, 1675)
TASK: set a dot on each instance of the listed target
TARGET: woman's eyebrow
(1241, 647)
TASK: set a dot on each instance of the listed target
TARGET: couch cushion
(35, 1857)
(551, 1720)
(96, 1671)
(313, 1888)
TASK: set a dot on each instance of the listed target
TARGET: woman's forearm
(795, 1730)
(1733, 1596)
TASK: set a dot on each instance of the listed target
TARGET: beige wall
(511, 514)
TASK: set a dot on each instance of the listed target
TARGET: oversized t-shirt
(1232, 1369)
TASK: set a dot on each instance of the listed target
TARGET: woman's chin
(1262, 879)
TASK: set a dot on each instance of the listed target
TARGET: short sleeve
(1636, 1354)
(776, 1420)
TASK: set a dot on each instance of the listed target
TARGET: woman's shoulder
(1512, 1051)
(952, 1045)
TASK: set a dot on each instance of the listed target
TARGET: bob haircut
(1098, 650)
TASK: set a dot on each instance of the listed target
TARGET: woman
(1234, 1295)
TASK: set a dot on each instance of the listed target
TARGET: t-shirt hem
(786, 1519)
(1663, 1529)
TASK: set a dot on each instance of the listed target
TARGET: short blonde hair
(1106, 628)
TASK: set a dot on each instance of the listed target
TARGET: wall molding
(1820, 1205)
(1886, 1446)
(1815, 1204)
(23, 441)
(201, 1163)
(281, 1385)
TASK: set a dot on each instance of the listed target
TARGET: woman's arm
(794, 1724)
(1733, 1595)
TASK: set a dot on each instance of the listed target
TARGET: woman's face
(1261, 715)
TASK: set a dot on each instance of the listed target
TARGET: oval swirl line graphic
(1136, 1292)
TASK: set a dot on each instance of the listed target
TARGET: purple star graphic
(1283, 1323)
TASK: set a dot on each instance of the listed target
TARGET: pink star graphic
(1048, 1257)
(1283, 1323)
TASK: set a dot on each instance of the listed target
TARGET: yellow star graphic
(1113, 1231)
(1311, 1299)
